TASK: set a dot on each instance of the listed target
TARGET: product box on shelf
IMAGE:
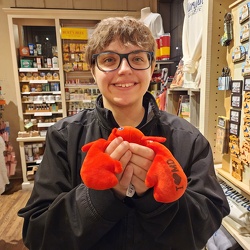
(26, 63)
(24, 51)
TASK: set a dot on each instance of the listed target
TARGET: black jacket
(64, 214)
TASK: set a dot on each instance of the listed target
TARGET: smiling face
(124, 86)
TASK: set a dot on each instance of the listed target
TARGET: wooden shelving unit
(225, 171)
(244, 190)
(173, 96)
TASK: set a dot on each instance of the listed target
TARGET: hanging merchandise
(158, 51)
(222, 135)
(192, 42)
(225, 79)
(244, 33)
(228, 30)
(178, 76)
(164, 85)
(244, 13)
(164, 78)
(165, 46)
(239, 54)
(237, 166)
(246, 64)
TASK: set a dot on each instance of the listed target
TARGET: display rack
(80, 89)
(225, 172)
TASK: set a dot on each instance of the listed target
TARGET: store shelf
(84, 86)
(242, 189)
(236, 3)
(160, 63)
(244, 241)
(37, 69)
(82, 101)
(163, 62)
(173, 103)
(37, 113)
(231, 181)
(31, 139)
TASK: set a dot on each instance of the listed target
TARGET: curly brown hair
(127, 30)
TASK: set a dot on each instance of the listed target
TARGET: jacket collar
(107, 120)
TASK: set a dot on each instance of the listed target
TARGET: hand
(140, 162)
(119, 150)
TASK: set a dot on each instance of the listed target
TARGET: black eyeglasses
(110, 61)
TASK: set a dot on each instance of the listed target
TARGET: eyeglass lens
(108, 61)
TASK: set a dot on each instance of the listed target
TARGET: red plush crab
(165, 174)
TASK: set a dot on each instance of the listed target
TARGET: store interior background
(10, 114)
(214, 56)
(213, 103)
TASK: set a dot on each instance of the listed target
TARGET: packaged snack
(65, 57)
(55, 76)
(72, 47)
(48, 76)
(22, 76)
(75, 66)
(35, 76)
(80, 66)
(82, 47)
(66, 47)
(29, 76)
(77, 48)
(26, 88)
(42, 76)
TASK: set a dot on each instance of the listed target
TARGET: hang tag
(130, 191)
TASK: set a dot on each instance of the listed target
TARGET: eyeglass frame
(121, 56)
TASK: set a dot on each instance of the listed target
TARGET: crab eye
(120, 128)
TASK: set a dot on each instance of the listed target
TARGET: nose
(124, 66)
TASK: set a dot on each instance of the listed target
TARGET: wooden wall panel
(87, 5)
(65, 4)
(114, 4)
(130, 5)
(30, 3)
(137, 5)
(213, 60)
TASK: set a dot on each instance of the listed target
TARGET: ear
(153, 67)
(92, 70)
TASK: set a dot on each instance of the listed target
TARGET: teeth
(126, 85)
